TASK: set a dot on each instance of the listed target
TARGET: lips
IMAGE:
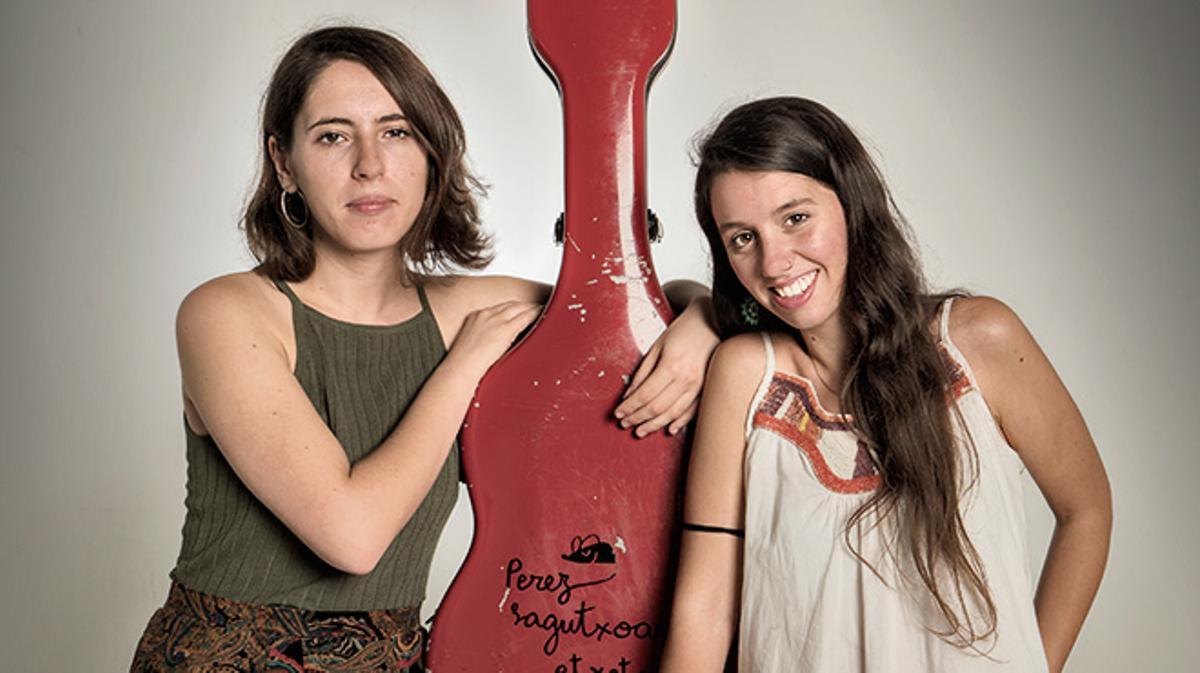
(368, 205)
(795, 292)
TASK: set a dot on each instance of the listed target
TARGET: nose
(776, 256)
(369, 163)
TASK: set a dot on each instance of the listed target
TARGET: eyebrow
(386, 119)
(801, 201)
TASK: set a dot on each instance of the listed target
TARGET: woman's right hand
(239, 382)
(486, 334)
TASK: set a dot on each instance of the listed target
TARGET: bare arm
(237, 379)
(704, 614)
(1040, 420)
(682, 293)
(665, 389)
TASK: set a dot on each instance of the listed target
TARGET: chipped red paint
(575, 520)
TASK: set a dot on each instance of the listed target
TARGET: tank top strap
(287, 291)
(424, 300)
(298, 306)
(765, 383)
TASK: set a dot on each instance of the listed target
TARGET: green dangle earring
(749, 311)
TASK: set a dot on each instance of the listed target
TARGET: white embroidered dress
(808, 605)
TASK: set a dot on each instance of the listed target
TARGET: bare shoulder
(241, 303)
(994, 341)
(463, 294)
(233, 292)
(454, 297)
(986, 327)
(510, 288)
(742, 350)
(984, 322)
(736, 368)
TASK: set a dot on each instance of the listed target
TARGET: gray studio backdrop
(1044, 153)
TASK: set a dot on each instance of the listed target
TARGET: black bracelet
(701, 528)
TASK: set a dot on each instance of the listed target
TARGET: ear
(279, 157)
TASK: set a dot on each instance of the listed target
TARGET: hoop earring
(297, 223)
(749, 311)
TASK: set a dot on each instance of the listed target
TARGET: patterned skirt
(195, 632)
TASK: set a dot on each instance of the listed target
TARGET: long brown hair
(896, 385)
(446, 232)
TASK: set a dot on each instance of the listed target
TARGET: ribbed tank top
(360, 379)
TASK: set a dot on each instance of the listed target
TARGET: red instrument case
(575, 519)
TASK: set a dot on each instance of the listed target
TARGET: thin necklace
(817, 369)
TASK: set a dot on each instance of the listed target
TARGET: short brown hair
(446, 232)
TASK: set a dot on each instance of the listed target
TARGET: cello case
(575, 519)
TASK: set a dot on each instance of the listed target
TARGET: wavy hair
(446, 233)
(896, 384)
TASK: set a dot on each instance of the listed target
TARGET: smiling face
(355, 158)
(785, 235)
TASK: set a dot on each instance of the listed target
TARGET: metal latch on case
(654, 228)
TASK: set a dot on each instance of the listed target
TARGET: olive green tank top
(360, 379)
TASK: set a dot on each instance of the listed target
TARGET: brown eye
(797, 218)
(330, 138)
(741, 240)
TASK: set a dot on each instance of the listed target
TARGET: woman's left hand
(665, 389)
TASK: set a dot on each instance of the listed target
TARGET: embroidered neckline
(791, 409)
(812, 402)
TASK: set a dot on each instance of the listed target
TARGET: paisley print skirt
(198, 633)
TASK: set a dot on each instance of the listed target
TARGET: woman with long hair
(323, 389)
(854, 498)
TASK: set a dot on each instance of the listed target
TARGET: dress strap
(765, 384)
(944, 320)
(959, 365)
(770, 350)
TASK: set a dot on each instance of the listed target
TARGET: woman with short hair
(324, 389)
